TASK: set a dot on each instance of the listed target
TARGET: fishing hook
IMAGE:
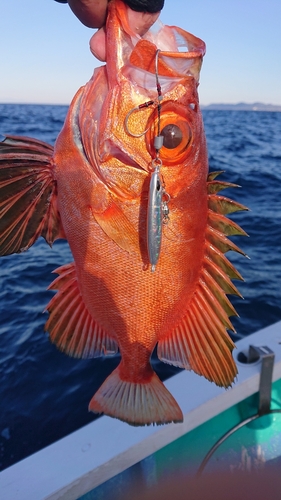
(133, 110)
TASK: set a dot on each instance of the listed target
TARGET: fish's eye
(172, 136)
(176, 129)
(177, 137)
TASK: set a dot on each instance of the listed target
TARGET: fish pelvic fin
(70, 325)
(28, 195)
(136, 403)
(118, 228)
(200, 341)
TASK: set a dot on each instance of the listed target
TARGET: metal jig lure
(155, 214)
(158, 199)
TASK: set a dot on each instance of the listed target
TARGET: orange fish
(127, 185)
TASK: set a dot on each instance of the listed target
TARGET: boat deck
(106, 456)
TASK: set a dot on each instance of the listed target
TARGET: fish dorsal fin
(28, 195)
(70, 325)
(200, 341)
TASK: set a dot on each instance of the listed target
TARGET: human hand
(139, 22)
(92, 13)
(142, 14)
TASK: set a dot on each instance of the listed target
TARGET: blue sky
(45, 56)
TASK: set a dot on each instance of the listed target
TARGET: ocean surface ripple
(44, 394)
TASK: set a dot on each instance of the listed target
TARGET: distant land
(242, 106)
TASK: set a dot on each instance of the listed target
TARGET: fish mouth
(180, 53)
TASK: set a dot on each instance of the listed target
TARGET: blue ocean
(44, 394)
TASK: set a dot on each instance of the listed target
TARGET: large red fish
(127, 185)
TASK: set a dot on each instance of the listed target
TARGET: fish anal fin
(118, 228)
(28, 196)
(70, 325)
(137, 403)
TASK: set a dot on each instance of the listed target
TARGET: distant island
(242, 106)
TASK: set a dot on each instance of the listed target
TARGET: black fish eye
(172, 136)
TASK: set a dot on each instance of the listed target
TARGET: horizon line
(240, 103)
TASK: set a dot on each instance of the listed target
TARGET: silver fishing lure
(155, 216)
(158, 199)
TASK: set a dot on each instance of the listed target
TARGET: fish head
(119, 115)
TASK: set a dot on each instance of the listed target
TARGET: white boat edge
(88, 457)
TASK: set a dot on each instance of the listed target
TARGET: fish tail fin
(137, 403)
(28, 197)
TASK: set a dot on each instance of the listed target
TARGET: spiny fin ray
(223, 205)
(219, 293)
(224, 225)
(200, 341)
(214, 187)
(221, 242)
(220, 277)
(213, 175)
(220, 259)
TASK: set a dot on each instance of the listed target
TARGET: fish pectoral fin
(70, 325)
(118, 228)
(137, 403)
(28, 197)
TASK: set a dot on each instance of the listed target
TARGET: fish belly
(134, 305)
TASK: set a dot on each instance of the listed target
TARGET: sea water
(44, 394)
